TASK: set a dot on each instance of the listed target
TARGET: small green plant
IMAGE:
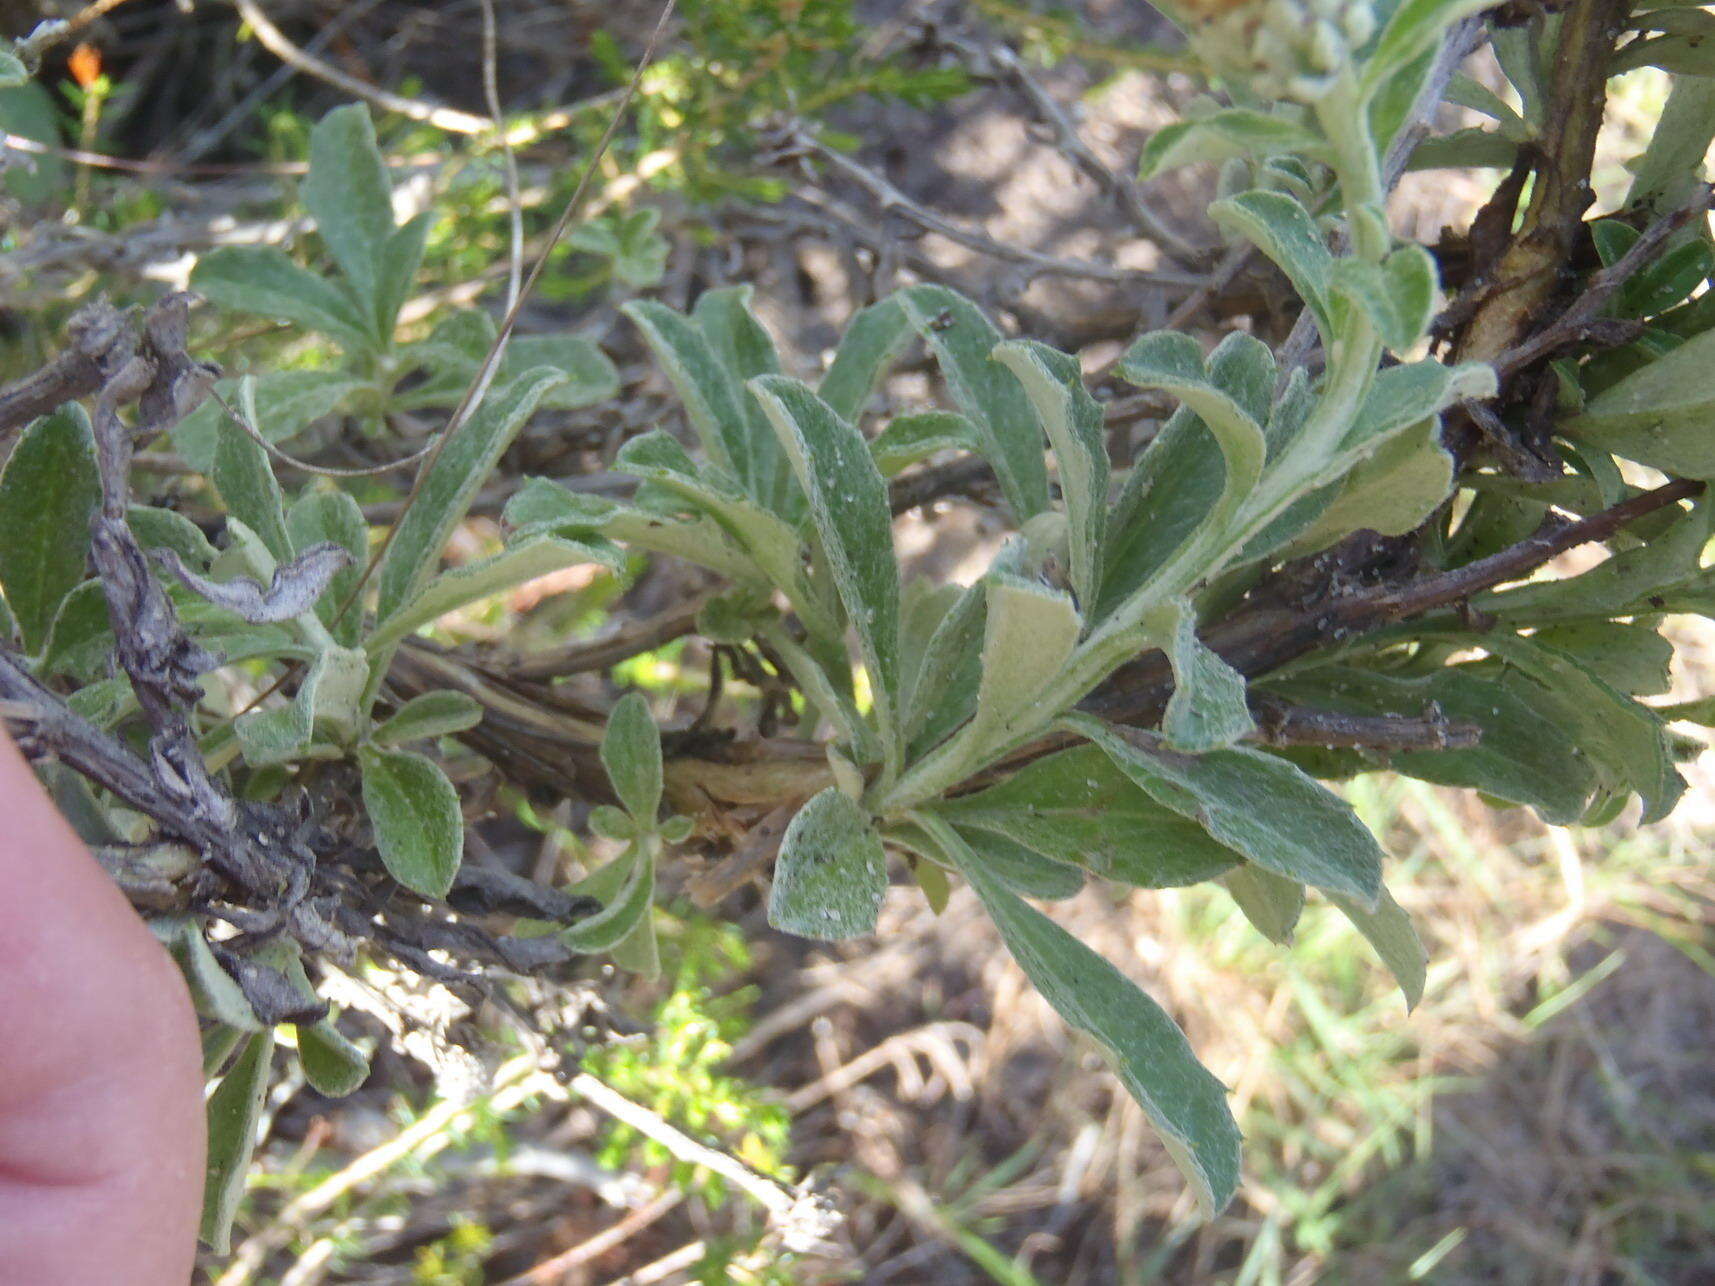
(375, 261)
(677, 1069)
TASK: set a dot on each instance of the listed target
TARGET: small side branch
(1280, 723)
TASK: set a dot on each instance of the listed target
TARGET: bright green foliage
(743, 62)
(677, 1070)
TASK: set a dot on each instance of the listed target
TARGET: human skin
(101, 1114)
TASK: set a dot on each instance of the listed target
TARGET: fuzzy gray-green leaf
(1659, 415)
(466, 459)
(1075, 426)
(349, 195)
(1148, 1051)
(1284, 231)
(1262, 807)
(334, 517)
(459, 586)
(1272, 903)
(263, 280)
(631, 753)
(234, 1116)
(1077, 807)
(964, 341)
(1028, 633)
(1223, 135)
(332, 1065)
(427, 716)
(419, 828)
(286, 403)
(831, 874)
(626, 888)
(1388, 929)
(1207, 709)
(848, 504)
(246, 482)
(874, 337)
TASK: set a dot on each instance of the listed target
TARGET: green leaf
(1272, 903)
(234, 1116)
(1659, 414)
(631, 753)
(1262, 807)
(1465, 149)
(1388, 929)
(157, 528)
(451, 590)
(12, 71)
(1148, 1051)
(332, 691)
(48, 491)
(1284, 231)
(430, 715)
(831, 874)
(246, 482)
(1392, 492)
(1207, 709)
(874, 339)
(213, 991)
(32, 111)
(1078, 807)
(1223, 135)
(589, 375)
(396, 274)
(1028, 633)
(626, 888)
(349, 195)
(1622, 585)
(1075, 426)
(747, 350)
(263, 280)
(639, 951)
(773, 544)
(848, 504)
(636, 253)
(713, 396)
(453, 355)
(419, 828)
(1406, 395)
(332, 1065)
(941, 690)
(287, 402)
(1182, 475)
(963, 341)
(466, 459)
(1626, 740)
(322, 516)
(1398, 294)
(917, 435)
(1025, 870)
(1681, 54)
(80, 644)
(1412, 27)
(1171, 361)
(1633, 658)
